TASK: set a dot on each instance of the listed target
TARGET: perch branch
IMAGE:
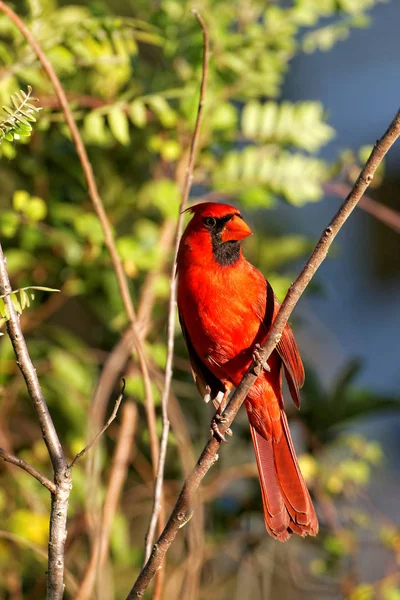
(62, 477)
(172, 297)
(182, 512)
(103, 429)
(102, 215)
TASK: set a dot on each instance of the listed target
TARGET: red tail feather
(287, 504)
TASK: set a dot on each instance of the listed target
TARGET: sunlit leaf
(119, 125)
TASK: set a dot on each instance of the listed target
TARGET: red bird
(226, 308)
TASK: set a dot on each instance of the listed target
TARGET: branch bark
(172, 297)
(181, 513)
(62, 476)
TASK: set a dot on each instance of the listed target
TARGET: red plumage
(225, 308)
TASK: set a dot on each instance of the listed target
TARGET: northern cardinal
(226, 308)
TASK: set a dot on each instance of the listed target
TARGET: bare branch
(103, 429)
(19, 462)
(172, 297)
(62, 477)
(102, 215)
(182, 510)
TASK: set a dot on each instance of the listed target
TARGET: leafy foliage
(300, 124)
(21, 300)
(18, 119)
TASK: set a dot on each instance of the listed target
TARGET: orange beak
(235, 229)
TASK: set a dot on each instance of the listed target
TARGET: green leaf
(163, 194)
(137, 113)
(20, 200)
(224, 117)
(88, 226)
(16, 303)
(163, 110)
(41, 288)
(250, 119)
(9, 223)
(19, 260)
(36, 209)
(24, 299)
(296, 177)
(298, 124)
(119, 125)
(15, 123)
(94, 128)
(171, 150)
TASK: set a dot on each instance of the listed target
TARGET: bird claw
(215, 432)
(257, 358)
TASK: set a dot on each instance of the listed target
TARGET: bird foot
(215, 432)
(258, 360)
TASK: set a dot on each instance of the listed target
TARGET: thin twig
(172, 297)
(119, 469)
(62, 477)
(103, 429)
(102, 215)
(182, 510)
(382, 213)
(19, 462)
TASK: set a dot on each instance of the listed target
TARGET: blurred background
(298, 93)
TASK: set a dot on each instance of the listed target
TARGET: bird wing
(206, 382)
(287, 349)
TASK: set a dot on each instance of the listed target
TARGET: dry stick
(181, 512)
(102, 215)
(19, 462)
(103, 429)
(62, 477)
(172, 298)
(119, 469)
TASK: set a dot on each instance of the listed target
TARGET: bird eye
(210, 221)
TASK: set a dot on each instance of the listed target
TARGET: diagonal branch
(172, 297)
(182, 511)
(19, 462)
